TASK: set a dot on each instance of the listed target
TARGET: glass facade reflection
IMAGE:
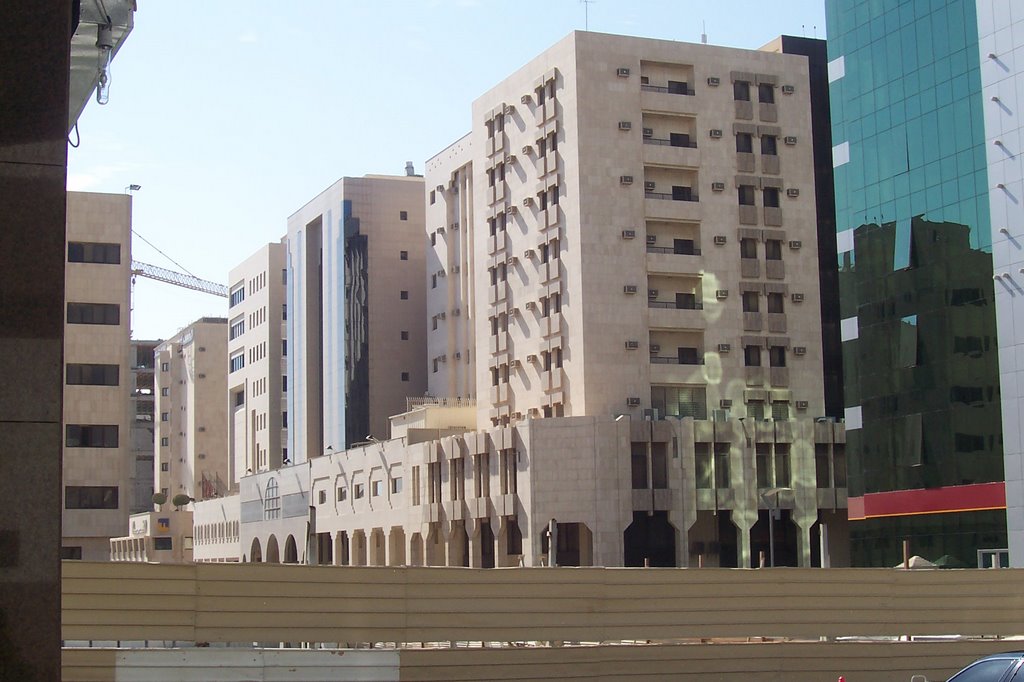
(915, 275)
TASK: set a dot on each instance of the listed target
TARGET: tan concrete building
(191, 453)
(143, 428)
(256, 382)
(97, 415)
(355, 311)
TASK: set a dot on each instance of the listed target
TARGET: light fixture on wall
(104, 55)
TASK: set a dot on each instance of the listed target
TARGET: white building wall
(1001, 46)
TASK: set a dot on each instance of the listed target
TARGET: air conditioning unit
(633, 401)
(527, 150)
(201, 349)
(531, 358)
(200, 376)
(515, 364)
(720, 240)
(655, 348)
(632, 345)
(795, 244)
(721, 294)
(456, 269)
(440, 188)
(716, 132)
(528, 201)
(508, 109)
(455, 227)
(801, 404)
(625, 125)
(724, 348)
(717, 186)
(622, 72)
(511, 210)
(792, 192)
(797, 298)
(525, 99)
(725, 403)
(648, 132)
(201, 429)
(530, 253)
(625, 179)
(788, 89)
(513, 312)
(530, 305)
(799, 350)
(790, 139)
(649, 185)
(629, 289)
(511, 158)
(456, 312)
(443, 358)
(652, 239)
(629, 234)
(652, 293)
(458, 355)
(713, 81)
(511, 260)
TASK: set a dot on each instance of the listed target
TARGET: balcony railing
(690, 143)
(669, 249)
(671, 91)
(670, 196)
(674, 305)
(655, 360)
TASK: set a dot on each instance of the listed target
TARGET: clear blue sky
(232, 115)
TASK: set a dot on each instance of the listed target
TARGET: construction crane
(180, 279)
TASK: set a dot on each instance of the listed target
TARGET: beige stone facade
(191, 450)
(257, 427)
(98, 417)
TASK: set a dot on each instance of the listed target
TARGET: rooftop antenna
(704, 33)
(586, 13)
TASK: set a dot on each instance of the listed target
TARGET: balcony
(496, 242)
(661, 206)
(680, 151)
(668, 260)
(660, 98)
(554, 324)
(668, 315)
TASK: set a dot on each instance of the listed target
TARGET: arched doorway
(291, 553)
(273, 551)
(255, 552)
(650, 540)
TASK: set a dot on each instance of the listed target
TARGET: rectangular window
(688, 356)
(71, 553)
(404, 295)
(405, 376)
(237, 295)
(702, 462)
(839, 464)
(659, 466)
(164, 466)
(359, 492)
(638, 465)
(90, 497)
(433, 280)
(777, 356)
(284, 420)
(770, 196)
(284, 347)
(748, 248)
(163, 543)
(404, 335)
(751, 302)
(769, 145)
(404, 255)
(776, 303)
(165, 366)
(780, 411)
(403, 215)
(165, 392)
(773, 249)
(237, 327)
(746, 195)
(396, 485)
(237, 362)
(722, 465)
(342, 494)
(165, 416)
(94, 313)
(822, 477)
(165, 441)
(376, 488)
(284, 383)
(741, 91)
(752, 356)
(782, 472)
(766, 93)
(94, 252)
(91, 435)
(92, 375)
(755, 410)
(744, 143)
(763, 464)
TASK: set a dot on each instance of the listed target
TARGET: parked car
(995, 668)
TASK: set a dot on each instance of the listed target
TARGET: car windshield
(984, 671)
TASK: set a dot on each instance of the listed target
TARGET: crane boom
(178, 279)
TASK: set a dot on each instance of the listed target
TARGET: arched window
(271, 501)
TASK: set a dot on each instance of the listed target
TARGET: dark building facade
(917, 314)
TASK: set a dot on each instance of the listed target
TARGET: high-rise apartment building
(355, 310)
(623, 251)
(143, 428)
(1000, 39)
(917, 302)
(257, 348)
(191, 451)
(98, 383)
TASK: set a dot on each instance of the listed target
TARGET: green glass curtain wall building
(920, 355)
